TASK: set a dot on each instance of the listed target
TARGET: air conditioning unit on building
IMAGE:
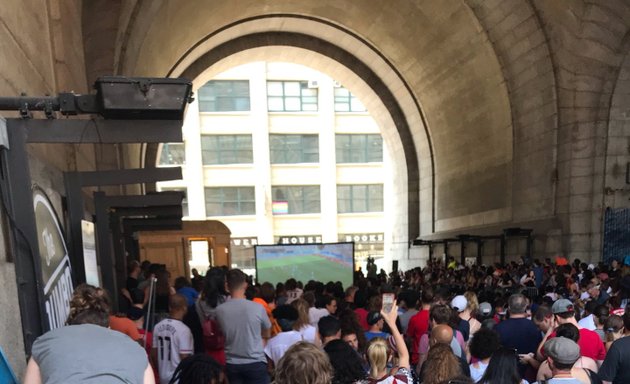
(313, 84)
(337, 84)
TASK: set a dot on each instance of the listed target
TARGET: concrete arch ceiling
(452, 73)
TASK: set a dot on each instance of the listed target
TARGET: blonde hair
(473, 303)
(443, 363)
(304, 363)
(378, 355)
(302, 306)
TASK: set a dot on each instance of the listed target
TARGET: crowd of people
(519, 323)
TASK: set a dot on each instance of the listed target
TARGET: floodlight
(121, 98)
(143, 98)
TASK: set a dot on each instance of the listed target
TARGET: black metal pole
(479, 251)
(104, 246)
(18, 196)
(74, 200)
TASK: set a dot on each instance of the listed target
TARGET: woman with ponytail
(379, 354)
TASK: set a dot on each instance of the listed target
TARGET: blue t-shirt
(370, 335)
(520, 334)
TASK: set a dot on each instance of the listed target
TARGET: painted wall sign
(305, 239)
(55, 263)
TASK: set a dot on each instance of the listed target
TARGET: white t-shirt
(587, 323)
(309, 333)
(171, 338)
(314, 314)
(278, 345)
(477, 372)
(294, 295)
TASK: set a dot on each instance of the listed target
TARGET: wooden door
(169, 254)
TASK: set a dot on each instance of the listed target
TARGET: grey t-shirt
(567, 380)
(242, 322)
(89, 354)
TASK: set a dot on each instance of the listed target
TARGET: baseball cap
(459, 303)
(562, 350)
(392, 343)
(373, 317)
(562, 306)
(485, 308)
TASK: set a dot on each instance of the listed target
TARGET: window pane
(248, 208)
(341, 107)
(224, 95)
(309, 92)
(246, 194)
(243, 142)
(292, 88)
(343, 192)
(230, 201)
(226, 149)
(214, 209)
(172, 154)
(275, 104)
(343, 206)
(274, 88)
(341, 91)
(375, 148)
(210, 157)
(292, 104)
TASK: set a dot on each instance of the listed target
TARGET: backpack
(213, 337)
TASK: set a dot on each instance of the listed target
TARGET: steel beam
(111, 261)
(75, 181)
(100, 131)
(18, 197)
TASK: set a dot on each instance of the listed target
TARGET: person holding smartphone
(378, 353)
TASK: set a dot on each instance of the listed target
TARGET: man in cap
(459, 305)
(590, 343)
(561, 354)
(376, 323)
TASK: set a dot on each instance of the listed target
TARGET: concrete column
(327, 161)
(260, 139)
(193, 170)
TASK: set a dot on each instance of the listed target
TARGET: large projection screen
(304, 262)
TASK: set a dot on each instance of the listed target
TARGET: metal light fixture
(120, 98)
(143, 98)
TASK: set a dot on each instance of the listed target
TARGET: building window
(224, 96)
(360, 198)
(184, 200)
(359, 148)
(291, 96)
(290, 149)
(172, 154)
(226, 149)
(345, 101)
(230, 201)
(296, 199)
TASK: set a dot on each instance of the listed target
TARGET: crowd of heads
(354, 343)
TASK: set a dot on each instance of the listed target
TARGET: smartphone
(388, 302)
